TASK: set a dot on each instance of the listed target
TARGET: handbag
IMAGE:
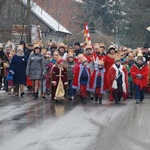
(9, 77)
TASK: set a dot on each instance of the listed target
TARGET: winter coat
(35, 66)
(18, 65)
(143, 70)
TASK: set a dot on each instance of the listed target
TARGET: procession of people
(81, 71)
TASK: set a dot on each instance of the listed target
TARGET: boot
(96, 99)
(9, 91)
(100, 100)
(43, 96)
(84, 100)
(35, 96)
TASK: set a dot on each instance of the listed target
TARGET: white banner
(36, 35)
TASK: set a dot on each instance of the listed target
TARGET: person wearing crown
(69, 65)
(139, 74)
(59, 80)
(88, 54)
(81, 80)
(117, 81)
(97, 81)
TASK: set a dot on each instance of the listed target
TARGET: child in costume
(97, 81)
(139, 73)
(81, 80)
(118, 81)
(70, 64)
(59, 81)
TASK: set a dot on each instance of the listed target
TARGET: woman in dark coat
(3, 60)
(18, 67)
(35, 68)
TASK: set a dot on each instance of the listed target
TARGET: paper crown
(139, 53)
(70, 52)
(62, 45)
(44, 50)
(83, 59)
(88, 46)
(100, 62)
(96, 45)
(102, 45)
(100, 50)
(117, 58)
(130, 56)
(36, 46)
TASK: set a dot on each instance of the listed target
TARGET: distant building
(17, 17)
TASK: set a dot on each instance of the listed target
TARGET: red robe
(108, 62)
(55, 78)
(77, 70)
(112, 82)
(93, 80)
(143, 71)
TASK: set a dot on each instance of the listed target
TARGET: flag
(87, 34)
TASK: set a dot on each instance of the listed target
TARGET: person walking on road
(18, 68)
(36, 69)
(139, 73)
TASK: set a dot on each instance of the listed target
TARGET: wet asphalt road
(26, 124)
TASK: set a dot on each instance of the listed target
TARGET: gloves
(139, 76)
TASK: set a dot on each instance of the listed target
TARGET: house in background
(17, 18)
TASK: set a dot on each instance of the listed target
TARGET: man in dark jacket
(77, 49)
(28, 50)
(146, 52)
(3, 59)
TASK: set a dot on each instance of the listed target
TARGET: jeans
(70, 90)
(139, 94)
(43, 85)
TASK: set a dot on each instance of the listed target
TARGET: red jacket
(111, 81)
(77, 70)
(93, 80)
(143, 71)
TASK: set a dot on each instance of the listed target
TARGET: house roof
(46, 18)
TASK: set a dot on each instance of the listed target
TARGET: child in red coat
(118, 81)
(97, 81)
(139, 74)
(81, 80)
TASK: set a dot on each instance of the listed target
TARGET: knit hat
(111, 47)
(146, 46)
(77, 43)
(20, 47)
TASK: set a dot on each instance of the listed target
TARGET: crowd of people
(65, 71)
